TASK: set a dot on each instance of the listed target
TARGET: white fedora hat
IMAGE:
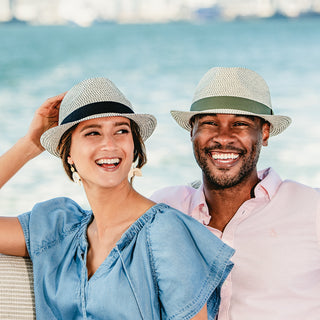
(232, 91)
(90, 99)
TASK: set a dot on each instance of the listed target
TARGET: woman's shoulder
(58, 213)
(50, 221)
(58, 203)
(61, 205)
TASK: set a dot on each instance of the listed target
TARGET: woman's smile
(108, 163)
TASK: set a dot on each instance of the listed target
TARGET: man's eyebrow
(201, 116)
(246, 116)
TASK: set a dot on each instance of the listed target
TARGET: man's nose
(223, 135)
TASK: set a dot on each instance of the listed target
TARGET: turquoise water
(158, 67)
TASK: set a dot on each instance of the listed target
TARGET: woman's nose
(108, 143)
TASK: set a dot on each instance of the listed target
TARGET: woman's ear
(70, 161)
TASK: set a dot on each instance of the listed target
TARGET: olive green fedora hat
(232, 91)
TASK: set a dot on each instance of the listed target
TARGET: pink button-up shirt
(276, 235)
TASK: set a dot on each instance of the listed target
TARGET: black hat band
(96, 108)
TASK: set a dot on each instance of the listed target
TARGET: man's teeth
(225, 156)
(108, 161)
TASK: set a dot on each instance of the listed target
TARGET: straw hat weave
(232, 91)
(90, 99)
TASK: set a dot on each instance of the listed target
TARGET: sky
(85, 12)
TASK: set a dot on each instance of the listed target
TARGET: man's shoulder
(288, 187)
(173, 193)
(299, 188)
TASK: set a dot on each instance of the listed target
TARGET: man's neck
(224, 203)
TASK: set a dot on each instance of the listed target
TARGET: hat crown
(233, 82)
(90, 91)
(92, 99)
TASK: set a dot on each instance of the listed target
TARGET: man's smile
(224, 159)
(224, 156)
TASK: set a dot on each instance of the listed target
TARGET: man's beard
(224, 181)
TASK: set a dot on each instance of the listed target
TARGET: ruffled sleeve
(190, 265)
(49, 222)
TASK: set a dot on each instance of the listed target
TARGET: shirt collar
(199, 208)
(269, 184)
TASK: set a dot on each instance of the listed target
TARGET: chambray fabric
(165, 266)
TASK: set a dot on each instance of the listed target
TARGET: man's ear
(191, 133)
(193, 124)
(265, 133)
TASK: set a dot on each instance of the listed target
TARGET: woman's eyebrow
(122, 123)
(116, 124)
(89, 126)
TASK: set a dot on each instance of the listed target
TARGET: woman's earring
(75, 176)
(134, 172)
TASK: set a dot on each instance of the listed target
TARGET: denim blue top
(165, 266)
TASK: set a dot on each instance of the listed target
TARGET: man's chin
(222, 181)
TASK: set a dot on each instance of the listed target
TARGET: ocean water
(157, 66)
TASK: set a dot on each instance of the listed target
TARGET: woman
(126, 258)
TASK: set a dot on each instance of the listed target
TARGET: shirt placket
(83, 277)
(228, 237)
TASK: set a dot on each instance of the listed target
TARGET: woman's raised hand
(29, 146)
(45, 118)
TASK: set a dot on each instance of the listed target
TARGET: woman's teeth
(108, 161)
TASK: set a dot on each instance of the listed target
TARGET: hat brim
(278, 123)
(51, 138)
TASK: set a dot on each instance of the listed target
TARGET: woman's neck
(117, 206)
(114, 210)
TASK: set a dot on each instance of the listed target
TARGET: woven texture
(16, 288)
(90, 91)
(234, 82)
(238, 83)
(87, 92)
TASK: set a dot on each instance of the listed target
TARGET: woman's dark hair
(139, 147)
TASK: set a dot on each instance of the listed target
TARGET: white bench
(16, 288)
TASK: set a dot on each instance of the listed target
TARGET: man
(274, 225)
